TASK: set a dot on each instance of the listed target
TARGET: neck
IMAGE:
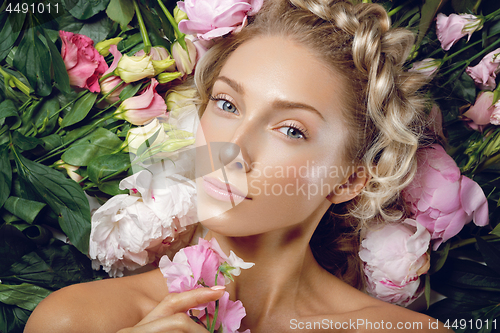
(284, 268)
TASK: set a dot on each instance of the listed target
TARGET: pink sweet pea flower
(83, 62)
(229, 315)
(485, 72)
(394, 258)
(451, 28)
(479, 115)
(441, 199)
(112, 81)
(211, 19)
(140, 110)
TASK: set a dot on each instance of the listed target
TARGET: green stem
(142, 27)
(469, 241)
(175, 26)
(491, 15)
(395, 10)
(476, 6)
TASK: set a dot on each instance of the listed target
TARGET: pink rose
(83, 62)
(210, 19)
(441, 199)
(394, 258)
(140, 110)
(451, 28)
(485, 72)
(426, 67)
(108, 84)
(480, 114)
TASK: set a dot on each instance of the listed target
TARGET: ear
(351, 187)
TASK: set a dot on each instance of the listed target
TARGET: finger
(179, 322)
(181, 302)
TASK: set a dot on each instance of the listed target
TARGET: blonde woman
(308, 85)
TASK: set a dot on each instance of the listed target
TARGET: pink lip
(219, 190)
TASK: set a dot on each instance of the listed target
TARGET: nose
(229, 155)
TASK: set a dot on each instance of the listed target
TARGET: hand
(170, 314)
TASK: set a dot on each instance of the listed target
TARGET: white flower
(128, 230)
(238, 264)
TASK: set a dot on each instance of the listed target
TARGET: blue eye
(292, 132)
(226, 106)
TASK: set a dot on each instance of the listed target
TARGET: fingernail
(218, 288)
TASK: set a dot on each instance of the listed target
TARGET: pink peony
(426, 67)
(443, 200)
(481, 113)
(451, 28)
(211, 19)
(140, 110)
(395, 256)
(83, 62)
(112, 81)
(485, 72)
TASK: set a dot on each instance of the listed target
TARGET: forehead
(278, 68)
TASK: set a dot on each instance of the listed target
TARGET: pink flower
(443, 200)
(83, 62)
(210, 19)
(229, 315)
(481, 112)
(495, 115)
(395, 256)
(485, 72)
(140, 110)
(109, 83)
(195, 267)
(426, 67)
(451, 28)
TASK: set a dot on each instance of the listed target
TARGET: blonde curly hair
(383, 108)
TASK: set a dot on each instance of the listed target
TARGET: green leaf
(13, 245)
(463, 6)
(490, 254)
(25, 295)
(9, 110)
(63, 195)
(97, 30)
(54, 266)
(5, 175)
(100, 142)
(45, 118)
(428, 12)
(34, 63)
(50, 142)
(11, 28)
(12, 318)
(79, 110)
(427, 290)
(130, 91)
(121, 11)
(84, 9)
(106, 165)
(438, 258)
(27, 210)
(61, 77)
(25, 142)
(111, 188)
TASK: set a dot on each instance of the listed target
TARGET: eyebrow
(279, 104)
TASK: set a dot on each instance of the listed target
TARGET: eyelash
(295, 126)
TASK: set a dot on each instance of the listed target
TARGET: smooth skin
(283, 107)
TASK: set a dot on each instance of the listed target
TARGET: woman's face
(281, 106)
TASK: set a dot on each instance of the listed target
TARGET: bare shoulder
(350, 310)
(99, 306)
